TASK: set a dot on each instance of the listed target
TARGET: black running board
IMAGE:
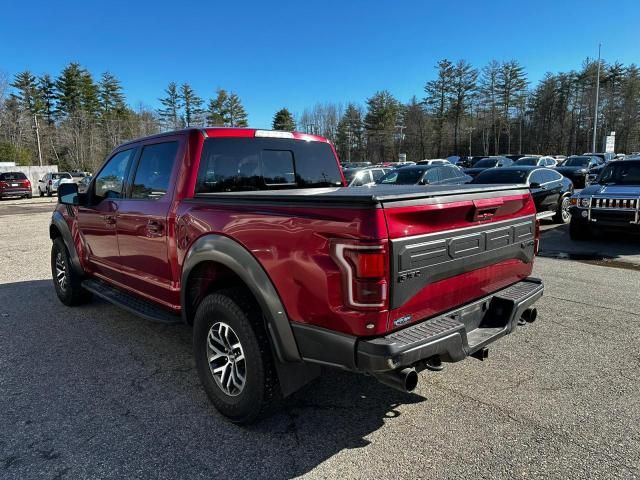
(135, 305)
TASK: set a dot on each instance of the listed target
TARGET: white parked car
(49, 183)
(367, 176)
(435, 161)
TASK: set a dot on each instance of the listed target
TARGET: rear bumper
(15, 192)
(452, 336)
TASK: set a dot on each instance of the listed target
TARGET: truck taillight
(364, 271)
(49, 182)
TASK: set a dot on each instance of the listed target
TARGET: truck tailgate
(455, 246)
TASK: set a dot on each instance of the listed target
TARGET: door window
(378, 173)
(154, 171)
(549, 176)
(432, 176)
(536, 177)
(109, 181)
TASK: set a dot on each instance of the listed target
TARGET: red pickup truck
(251, 237)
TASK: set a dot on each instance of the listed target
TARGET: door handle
(110, 219)
(154, 228)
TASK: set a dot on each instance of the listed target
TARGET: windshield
(500, 175)
(12, 176)
(55, 176)
(576, 162)
(404, 176)
(350, 173)
(622, 174)
(532, 161)
(486, 163)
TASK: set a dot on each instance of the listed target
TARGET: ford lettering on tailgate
(419, 261)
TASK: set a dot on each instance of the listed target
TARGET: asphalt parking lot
(94, 392)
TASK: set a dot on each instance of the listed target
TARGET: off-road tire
(261, 391)
(72, 293)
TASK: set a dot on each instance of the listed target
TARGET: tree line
(462, 110)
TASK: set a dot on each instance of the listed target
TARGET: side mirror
(534, 185)
(68, 194)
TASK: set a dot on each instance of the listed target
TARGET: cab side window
(154, 171)
(110, 180)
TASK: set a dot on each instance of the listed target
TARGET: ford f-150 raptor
(250, 236)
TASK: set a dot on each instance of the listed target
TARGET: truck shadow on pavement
(93, 391)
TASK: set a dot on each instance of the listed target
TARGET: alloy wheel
(226, 359)
(61, 271)
(564, 210)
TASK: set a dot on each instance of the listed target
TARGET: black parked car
(576, 168)
(426, 175)
(612, 202)
(489, 162)
(551, 191)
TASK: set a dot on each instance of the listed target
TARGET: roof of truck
(232, 132)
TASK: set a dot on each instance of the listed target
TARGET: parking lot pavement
(94, 392)
(620, 248)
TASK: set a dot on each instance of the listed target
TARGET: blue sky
(293, 54)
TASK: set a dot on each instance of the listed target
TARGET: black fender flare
(58, 221)
(231, 254)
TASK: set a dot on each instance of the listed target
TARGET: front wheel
(563, 213)
(65, 280)
(233, 356)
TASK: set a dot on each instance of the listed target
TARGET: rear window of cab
(242, 164)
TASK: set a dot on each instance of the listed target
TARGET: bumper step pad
(135, 305)
(447, 334)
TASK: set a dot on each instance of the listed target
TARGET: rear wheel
(49, 193)
(233, 356)
(65, 280)
(579, 231)
(40, 192)
(563, 213)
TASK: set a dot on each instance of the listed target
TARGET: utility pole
(595, 114)
(349, 144)
(401, 127)
(35, 127)
(471, 129)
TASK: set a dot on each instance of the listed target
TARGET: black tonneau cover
(369, 195)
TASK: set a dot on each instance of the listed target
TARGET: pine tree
(511, 86)
(217, 113)
(192, 104)
(383, 115)
(489, 98)
(172, 103)
(47, 88)
(90, 103)
(283, 120)
(237, 116)
(69, 86)
(110, 94)
(437, 98)
(28, 94)
(463, 86)
(350, 138)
